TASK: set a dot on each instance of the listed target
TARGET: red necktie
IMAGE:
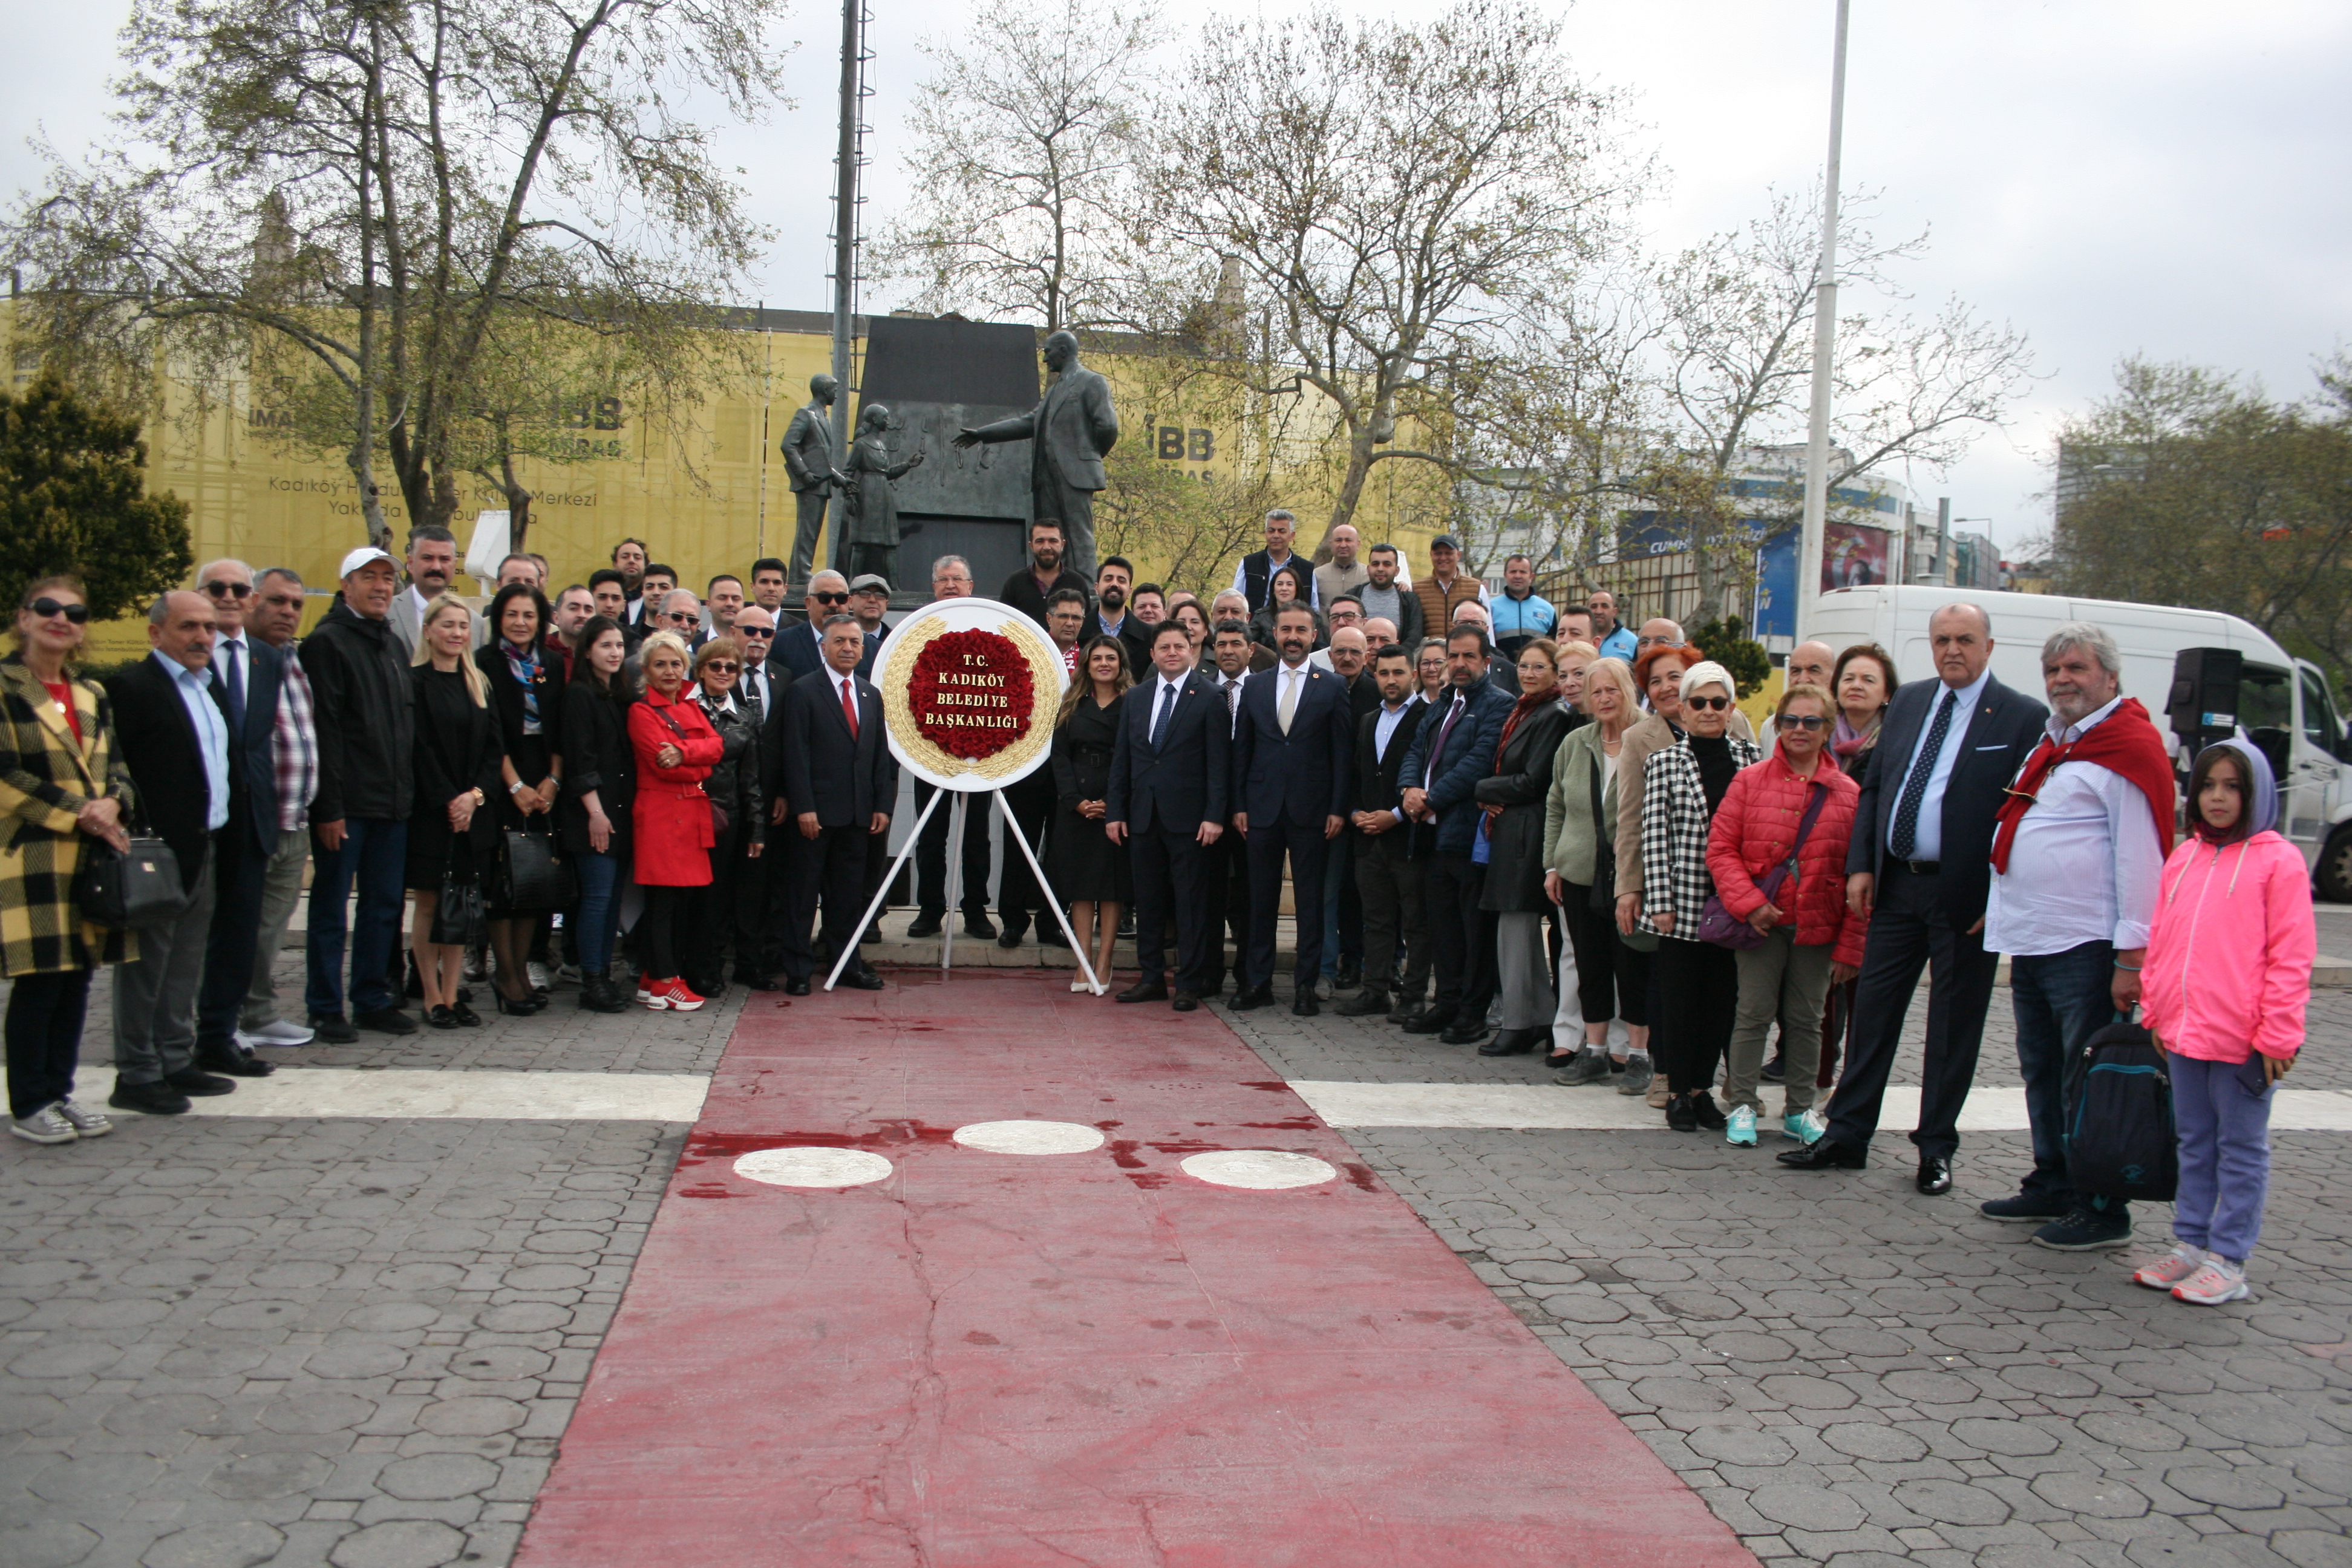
(849, 707)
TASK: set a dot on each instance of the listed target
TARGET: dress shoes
(150, 1098)
(1363, 1003)
(799, 988)
(1470, 1034)
(1185, 1002)
(385, 1021)
(1406, 1010)
(752, 981)
(1436, 1020)
(1350, 974)
(332, 1029)
(857, 977)
(1304, 1005)
(1511, 1043)
(1825, 1155)
(926, 925)
(233, 1062)
(197, 1081)
(1143, 991)
(1010, 937)
(1935, 1178)
(977, 924)
(1250, 996)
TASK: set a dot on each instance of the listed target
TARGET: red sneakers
(669, 994)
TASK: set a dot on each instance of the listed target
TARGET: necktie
(1437, 753)
(234, 682)
(1289, 703)
(1903, 836)
(849, 706)
(1160, 718)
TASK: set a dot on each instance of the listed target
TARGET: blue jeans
(2061, 1000)
(2222, 1111)
(374, 859)
(599, 910)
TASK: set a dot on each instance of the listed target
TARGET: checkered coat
(1675, 825)
(45, 780)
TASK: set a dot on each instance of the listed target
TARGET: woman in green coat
(1612, 976)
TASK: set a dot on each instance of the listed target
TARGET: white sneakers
(2171, 1269)
(62, 1122)
(280, 1033)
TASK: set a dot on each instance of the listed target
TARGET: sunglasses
(220, 590)
(728, 665)
(1802, 720)
(77, 614)
(830, 598)
(755, 631)
(1712, 704)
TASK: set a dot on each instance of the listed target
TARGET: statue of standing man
(1070, 433)
(808, 459)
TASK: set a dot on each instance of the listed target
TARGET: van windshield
(2265, 700)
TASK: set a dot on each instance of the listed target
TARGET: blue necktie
(234, 682)
(1160, 718)
(1903, 836)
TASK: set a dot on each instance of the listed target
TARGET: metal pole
(956, 827)
(1943, 540)
(1012, 826)
(1817, 446)
(844, 233)
(849, 950)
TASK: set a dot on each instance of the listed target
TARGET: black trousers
(1698, 1002)
(1305, 845)
(1909, 932)
(748, 909)
(931, 856)
(1462, 965)
(709, 917)
(230, 943)
(44, 1034)
(1389, 892)
(1170, 876)
(1612, 980)
(1029, 802)
(832, 867)
(1224, 890)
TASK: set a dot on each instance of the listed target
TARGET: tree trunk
(1351, 489)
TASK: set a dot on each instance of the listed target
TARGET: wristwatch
(479, 798)
(517, 787)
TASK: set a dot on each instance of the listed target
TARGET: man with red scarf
(2076, 853)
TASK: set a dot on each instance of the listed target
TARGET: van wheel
(2335, 871)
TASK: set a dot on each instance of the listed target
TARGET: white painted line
(1990, 1109)
(813, 1167)
(1261, 1170)
(446, 1095)
(1030, 1137)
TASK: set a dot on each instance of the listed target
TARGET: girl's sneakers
(2217, 1280)
(670, 996)
(1742, 1128)
(2171, 1269)
(1804, 1126)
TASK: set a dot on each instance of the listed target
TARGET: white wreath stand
(955, 878)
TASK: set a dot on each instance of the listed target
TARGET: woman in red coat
(670, 818)
(1812, 938)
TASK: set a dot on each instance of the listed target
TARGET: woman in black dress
(1081, 861)
(733, 787)
(526, 686)
(451, 831)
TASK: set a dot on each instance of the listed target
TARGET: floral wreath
(970, 693)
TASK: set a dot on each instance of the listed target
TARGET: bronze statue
(873, 526)
(1070, 432)
(808, 458)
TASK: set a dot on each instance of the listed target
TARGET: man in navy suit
(800, 650)
(1169, 775)
(1293, 745)
(247, 674)
(1919, 869)
(840, 781)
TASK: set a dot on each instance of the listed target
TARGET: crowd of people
(1522, 827)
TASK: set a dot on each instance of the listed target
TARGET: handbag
(127, 889)
(719, 818)
(1720, 926)
(1603, 896)
(461, 918)
(533, 873)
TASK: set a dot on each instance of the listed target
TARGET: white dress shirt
(1927, 841)
(1167, 692)
(196, 689)
(2085, 864)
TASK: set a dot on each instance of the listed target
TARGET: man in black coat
(1292, 751)
(840, 781)
(1030, 588)
(1114, 617)
(1919, 869)
(247, 674)
(176, 741)
(1169, 775)
(1388, 865)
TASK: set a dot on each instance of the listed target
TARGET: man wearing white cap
(358, 819)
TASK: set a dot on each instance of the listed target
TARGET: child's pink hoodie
(2228, 959)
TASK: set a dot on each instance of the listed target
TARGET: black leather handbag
(461, 918)
(131, 888)
(533, 875)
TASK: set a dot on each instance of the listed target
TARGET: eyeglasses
(1660, 642)
(830, 598)
(728, 665)
(77, 614)
(1712, 704)
(1802, 720)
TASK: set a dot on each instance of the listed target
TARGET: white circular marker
(1260, 1168)
(1030, 1137)
(813, 1167)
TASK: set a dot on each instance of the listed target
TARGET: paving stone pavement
(249, 1342)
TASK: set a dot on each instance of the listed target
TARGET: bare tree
(390, 191)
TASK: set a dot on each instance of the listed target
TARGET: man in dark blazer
(800, 649)
(247, 674)
(176, 741)
(1169, 775)
(1225, 874)
(840, 781)
(1293, 747)
(1919, 869)
(1069, 433)
(1388, 862)
(1451, 751)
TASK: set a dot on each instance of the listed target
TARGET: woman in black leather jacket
(733, 787)
(1513, 797)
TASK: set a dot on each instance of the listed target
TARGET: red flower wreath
(970, 693)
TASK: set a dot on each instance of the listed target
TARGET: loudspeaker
(2203, 703)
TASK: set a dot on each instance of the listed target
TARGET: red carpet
(1083, 1358)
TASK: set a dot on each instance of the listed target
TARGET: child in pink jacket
(2225, 980)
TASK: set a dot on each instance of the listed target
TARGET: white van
(2288, 698)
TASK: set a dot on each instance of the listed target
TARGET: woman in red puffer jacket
(1812, 939)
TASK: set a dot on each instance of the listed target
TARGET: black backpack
(2120, 1142)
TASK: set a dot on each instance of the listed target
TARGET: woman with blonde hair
(457, 758)
(1612, 976)
(1081, 861)
(675, 748)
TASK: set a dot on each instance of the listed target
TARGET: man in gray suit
(808, 459)
(1072, 430)
(432, 563)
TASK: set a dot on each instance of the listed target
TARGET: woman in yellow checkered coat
(60, 784)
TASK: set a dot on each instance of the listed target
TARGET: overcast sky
(2112, 176)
